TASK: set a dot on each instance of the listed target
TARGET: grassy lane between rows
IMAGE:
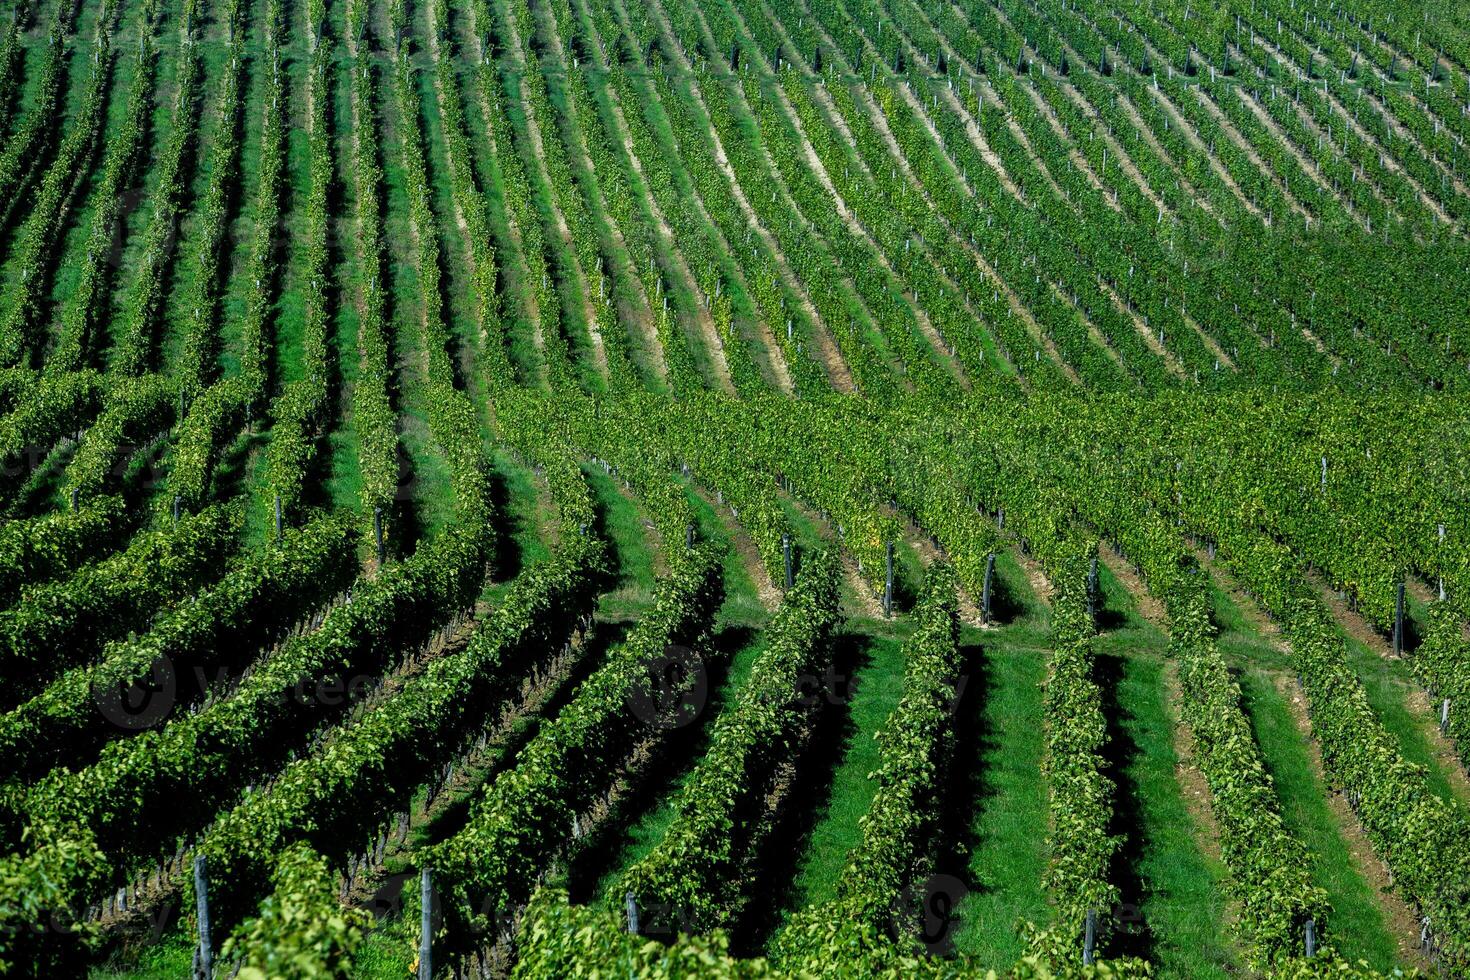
(995, 841)
(74, 237)
(1358, 928)
(343, 473)
(736, 645)
(433, 499)
(863, 700)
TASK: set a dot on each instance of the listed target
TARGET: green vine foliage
(525, 817)
(341, 794)
(220, 628)
(34, 888)
(558, 939)
(896, 834)
(55, 406)
(298, 412)
(59, 624)
(44, 548)
(302, 931)
(142, 793)
(137, 411)
(1442, 664)
(691, 876)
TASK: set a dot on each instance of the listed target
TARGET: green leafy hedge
(525, 817)
(692, 877)
(365, 772)
(59, 624)
(43, 548)
(558, 940)
(302, 931)
(250, 607)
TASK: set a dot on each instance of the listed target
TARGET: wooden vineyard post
(1092, 589)
(177, 502)
(888, 581)
(1441, 575)
(1398, 620)
(378, 531)
(1089, 938)
(630, 907)
(201, 900)
(689, 537)
(75, 496)
(1444, 716)
(426, 926)
(1311, 942)
(986, 591)
(278, 515)
(786, 560)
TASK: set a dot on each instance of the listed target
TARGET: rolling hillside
(757, 488)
